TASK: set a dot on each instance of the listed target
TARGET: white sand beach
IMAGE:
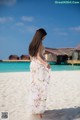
(63, 101)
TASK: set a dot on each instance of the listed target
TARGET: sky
(19, 19)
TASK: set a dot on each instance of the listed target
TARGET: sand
(63, 102)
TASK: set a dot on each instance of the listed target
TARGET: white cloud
(31, 28)
(19, 24)
(60, 31)
(6, 19)
(7, 2)
(28, 29)
(75, 28)
(27, 19)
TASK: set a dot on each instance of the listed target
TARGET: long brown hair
(36, 41)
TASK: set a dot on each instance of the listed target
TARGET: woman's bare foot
(40, 115)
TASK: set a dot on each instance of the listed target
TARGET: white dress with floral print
(40, 77)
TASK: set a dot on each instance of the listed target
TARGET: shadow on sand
(63, 114)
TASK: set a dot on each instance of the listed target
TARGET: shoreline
(15, 61)
(69, 62)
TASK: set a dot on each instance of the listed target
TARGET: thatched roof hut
(13, 57)
(59, 55)
(67, 51)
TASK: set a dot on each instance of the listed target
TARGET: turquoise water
(24, 66)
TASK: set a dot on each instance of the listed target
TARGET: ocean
(24, 67)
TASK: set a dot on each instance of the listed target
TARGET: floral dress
(39, 77)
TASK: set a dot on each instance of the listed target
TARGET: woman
(39, 74)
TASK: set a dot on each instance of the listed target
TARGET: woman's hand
(48, 66)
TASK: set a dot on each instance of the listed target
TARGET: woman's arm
(45, 63)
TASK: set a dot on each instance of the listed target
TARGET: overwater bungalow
(67, 51)
(25, 57)
(1, 60)
(13, 57)
(59, 56)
